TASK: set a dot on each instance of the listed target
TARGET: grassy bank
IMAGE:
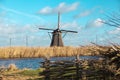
(109, 66)
(34, 52)
(89, 70)
(23, 75)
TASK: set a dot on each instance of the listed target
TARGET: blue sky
(21, 18)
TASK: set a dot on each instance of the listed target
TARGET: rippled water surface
(34, 63)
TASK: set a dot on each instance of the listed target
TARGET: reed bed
(36, 52)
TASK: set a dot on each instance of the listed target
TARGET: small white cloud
(89, 12)
(8, 28)
(29, 28)
(98, 22)
(70, 24)
(46, 10)
(95, 23)
(62, 7)
(83, 14)
(115, 31)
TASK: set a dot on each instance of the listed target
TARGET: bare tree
(113, 19)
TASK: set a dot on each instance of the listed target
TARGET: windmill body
(57, 34)
(56, 38)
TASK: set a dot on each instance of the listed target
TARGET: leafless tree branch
(112, 20)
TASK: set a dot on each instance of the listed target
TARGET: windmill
(57, 34)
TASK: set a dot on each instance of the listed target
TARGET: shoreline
(50, 57)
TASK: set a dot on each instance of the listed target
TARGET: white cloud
(29, 28)
(95, 23)
(62, 7)
(9, 28)
(115, 31)
(98, 22)
(70, 24)
(18, 33)
(46, 10)
(83, 14)
(89, 12)
(6, 29)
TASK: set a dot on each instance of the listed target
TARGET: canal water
(35, 63)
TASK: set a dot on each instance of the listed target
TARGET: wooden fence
(74, 70)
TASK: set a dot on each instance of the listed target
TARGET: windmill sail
(46, 29)
(57, 34)
(69, 31)
(58, 20)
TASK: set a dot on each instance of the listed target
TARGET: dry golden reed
(34, 52)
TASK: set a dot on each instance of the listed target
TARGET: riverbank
(109, 65)
(89, 69)
(12, 72)
(25, 74)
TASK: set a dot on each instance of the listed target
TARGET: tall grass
(31, 52)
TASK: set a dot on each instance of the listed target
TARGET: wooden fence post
(78, 75)
(47, 69)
